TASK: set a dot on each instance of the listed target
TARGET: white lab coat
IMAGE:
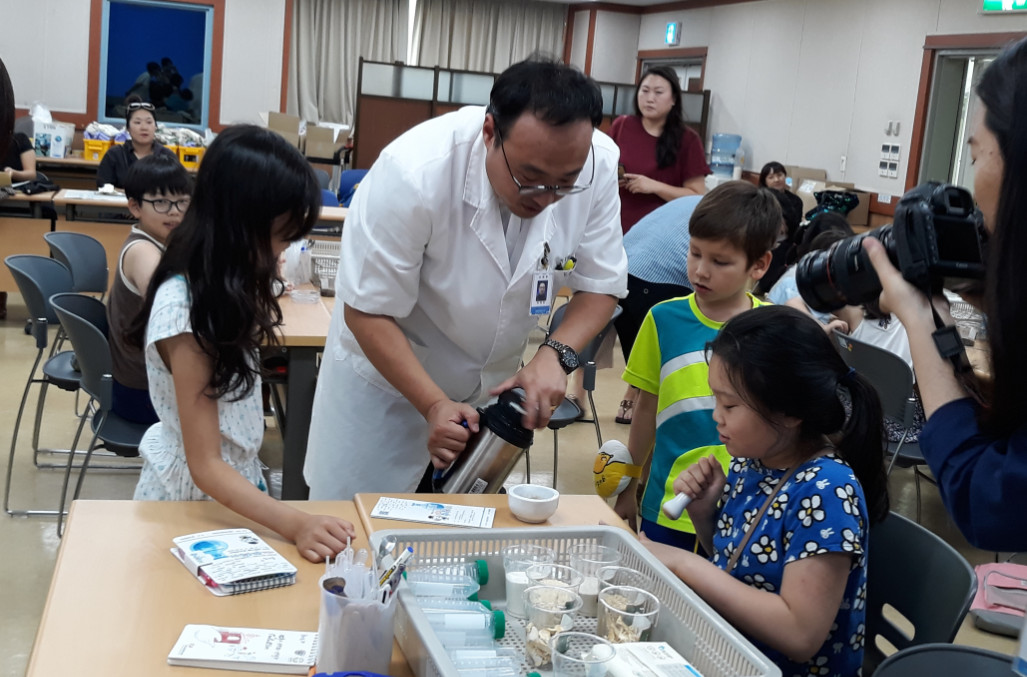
(424, 243)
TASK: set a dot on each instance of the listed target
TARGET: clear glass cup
(559, 575)
(579, 654)
(551, 610)
(516, 561)
(588, 558)
(627, 614)
(621, 575)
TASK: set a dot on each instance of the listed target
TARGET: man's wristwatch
(568, 358)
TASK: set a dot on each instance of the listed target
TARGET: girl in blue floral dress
(788, 525)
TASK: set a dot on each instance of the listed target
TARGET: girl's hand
(704, 481)
(626, 505)
(671, 557)
(321, 536)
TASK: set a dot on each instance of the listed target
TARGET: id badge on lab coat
(541, 293)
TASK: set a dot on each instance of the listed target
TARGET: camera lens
(842, 275)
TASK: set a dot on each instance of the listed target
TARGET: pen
(401, 560)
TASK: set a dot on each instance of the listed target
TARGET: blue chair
(84, 318)
(328, 198)
(348, 182)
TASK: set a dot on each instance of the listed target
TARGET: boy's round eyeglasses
(540, 190)
(163, 206)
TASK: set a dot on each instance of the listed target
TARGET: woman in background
(662, 158)
(20, 161)
(142, 128)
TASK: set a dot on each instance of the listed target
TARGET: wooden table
(23, 222)
(574, 510)
(304, 332)
(119, 599)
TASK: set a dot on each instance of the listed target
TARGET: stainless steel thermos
(492, 452)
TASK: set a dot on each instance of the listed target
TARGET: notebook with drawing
(233, 561)
(250, 649)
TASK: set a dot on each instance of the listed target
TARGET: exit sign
(989, 6)
(673, 34)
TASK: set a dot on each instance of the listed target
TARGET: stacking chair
(85, 257)
(893, 380)
(85, 320)
(923, 579)
(569, 411)
(39, 277)
(946, 660)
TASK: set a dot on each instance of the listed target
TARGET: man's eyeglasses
(145, 105)
(541, 190)
(163, 206)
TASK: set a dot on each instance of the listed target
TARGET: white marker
(675, 506)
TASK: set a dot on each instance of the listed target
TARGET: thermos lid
(504, 419)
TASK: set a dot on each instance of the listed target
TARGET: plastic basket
(95, 149)
(686, 622)
(191, 156)
(325, 257)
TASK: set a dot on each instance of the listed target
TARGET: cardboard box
(53, 139)
(323, 142)
(796, 175)
(859, 216)
(288, 126)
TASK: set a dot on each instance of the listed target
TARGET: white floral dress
(165, 475)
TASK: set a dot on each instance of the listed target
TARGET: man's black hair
(552, 91)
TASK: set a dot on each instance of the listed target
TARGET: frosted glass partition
(625, 104)
(608, 92)
(465, 88)
(385, 79)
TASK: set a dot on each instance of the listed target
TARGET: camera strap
(950, 346)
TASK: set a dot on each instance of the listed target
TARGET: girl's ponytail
(862, 442)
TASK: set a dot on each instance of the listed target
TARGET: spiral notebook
(233, 561)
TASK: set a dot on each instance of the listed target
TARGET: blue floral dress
(821, 509)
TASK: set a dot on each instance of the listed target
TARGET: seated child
(731, 233)
(209, 308)
(158, 190)
(788, 525)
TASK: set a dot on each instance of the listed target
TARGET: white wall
(46, 52)
(579, 39)
(251, 75)
(807, 81)
(49, 60)
(616, 36)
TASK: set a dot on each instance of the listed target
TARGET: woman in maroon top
(662, 158)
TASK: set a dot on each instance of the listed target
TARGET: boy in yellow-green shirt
(732, 231)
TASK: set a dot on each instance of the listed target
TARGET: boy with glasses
(158, 190)
(456, 229)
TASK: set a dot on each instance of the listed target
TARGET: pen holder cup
(354, 634)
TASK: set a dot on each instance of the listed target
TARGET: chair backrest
(921, 577)
(328, 198)
(889, 374)
(946, 660)
(323, 177)
(348, 180)
(588, 354)
(84, 256)
(38, 278)
(84, 318)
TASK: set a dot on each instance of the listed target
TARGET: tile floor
(29, 545)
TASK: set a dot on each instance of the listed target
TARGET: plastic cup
(551, 610)
(627, 614)
(579, 654)
(516, 561)
(588, 559)
(619, 575)
(559, 575)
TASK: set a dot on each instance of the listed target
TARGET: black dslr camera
(937, 234)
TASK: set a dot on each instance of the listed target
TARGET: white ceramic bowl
(532, 503)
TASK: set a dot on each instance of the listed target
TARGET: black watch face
(570, 361)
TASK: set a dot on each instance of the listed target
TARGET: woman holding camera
(979, 453)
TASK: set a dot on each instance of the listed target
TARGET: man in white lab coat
(443, 251)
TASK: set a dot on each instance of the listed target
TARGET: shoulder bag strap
(759, 516)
